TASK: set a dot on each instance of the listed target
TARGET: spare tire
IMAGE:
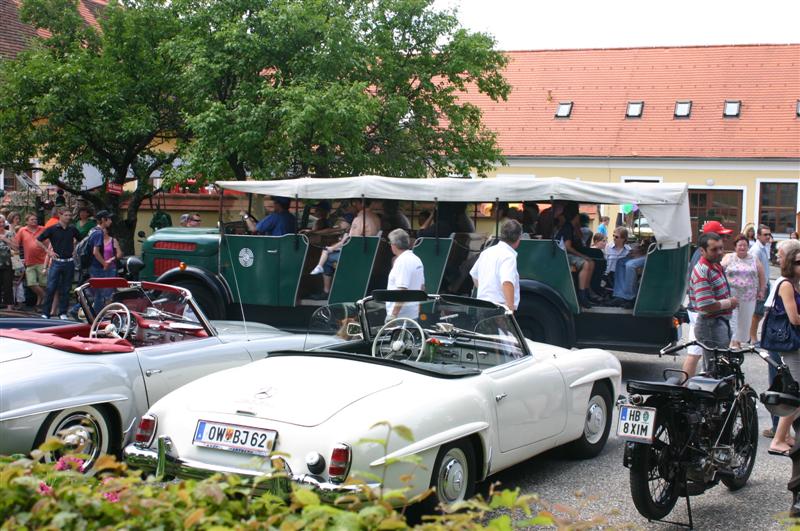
(204, 297)
(540, 321)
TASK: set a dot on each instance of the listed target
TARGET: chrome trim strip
(433, 441)
(43, 409)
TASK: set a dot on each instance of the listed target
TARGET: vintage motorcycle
(684, 435)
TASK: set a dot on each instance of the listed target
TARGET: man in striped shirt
(710, 297)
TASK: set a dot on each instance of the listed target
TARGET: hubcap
(452, 476)
(595, 420)
(80, 433)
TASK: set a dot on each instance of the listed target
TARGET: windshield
(149, 303)
(441, 335)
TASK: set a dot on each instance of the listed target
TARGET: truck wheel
(212, 308)
(540, 322)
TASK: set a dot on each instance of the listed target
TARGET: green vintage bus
(267, 278)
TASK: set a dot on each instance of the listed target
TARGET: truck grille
(176, 246)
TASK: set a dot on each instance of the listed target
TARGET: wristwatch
(244, 217)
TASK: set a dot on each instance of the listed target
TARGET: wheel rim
(742, 443)
(596, 415)
(451, 484)
(83, 435)
(661, 469)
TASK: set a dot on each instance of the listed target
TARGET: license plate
(636, 423)
(234, 438)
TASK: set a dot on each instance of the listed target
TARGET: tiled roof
(600, 82)
(15, 36)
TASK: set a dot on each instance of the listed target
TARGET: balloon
(627, 208)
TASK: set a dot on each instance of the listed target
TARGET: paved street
(600, 486)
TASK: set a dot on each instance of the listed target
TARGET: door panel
(533, 404)
(173, 365)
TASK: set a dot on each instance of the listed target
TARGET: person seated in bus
(450, 218)
(530, 217)
(279, 222)
(322, 217)
(366, 223)
(551, 219)
(569, 238)
(393, 218)
(615, 252)
(586, 232)
(625, 276)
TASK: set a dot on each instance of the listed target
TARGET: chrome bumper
(164, 463)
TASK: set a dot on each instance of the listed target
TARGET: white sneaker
(63, 317)
(44, 316)
(317, 270)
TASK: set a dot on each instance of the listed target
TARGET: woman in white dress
(747, 280)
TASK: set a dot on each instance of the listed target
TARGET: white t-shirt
(613, 255)
(407, 273)
(770, 300)
(496, 265)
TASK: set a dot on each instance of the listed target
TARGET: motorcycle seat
(697, 386)
(712, 387)
(655, 388)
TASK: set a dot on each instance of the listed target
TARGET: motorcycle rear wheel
(744, 438)
(654, 475)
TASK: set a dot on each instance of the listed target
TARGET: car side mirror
(354, 331)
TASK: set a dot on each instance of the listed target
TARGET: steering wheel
(112, 311)
(400, 339)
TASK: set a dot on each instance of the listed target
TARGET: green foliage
(334, 88)
(37, 495)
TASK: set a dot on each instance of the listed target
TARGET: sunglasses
(195, 220)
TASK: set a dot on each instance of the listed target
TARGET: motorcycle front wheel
(744, 439)
(654, 475)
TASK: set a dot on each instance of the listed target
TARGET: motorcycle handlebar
(672, 348)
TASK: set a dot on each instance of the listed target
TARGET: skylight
(683, 109)
(732, 108)
(564, 109)
(635, 109)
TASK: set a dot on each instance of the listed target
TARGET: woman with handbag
(781, 332)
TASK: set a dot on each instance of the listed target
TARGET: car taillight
(146, 430)
(339, 463)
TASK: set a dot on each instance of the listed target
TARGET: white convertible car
(95, 379)
(476, 396)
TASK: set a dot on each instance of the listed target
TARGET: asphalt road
(599, 488)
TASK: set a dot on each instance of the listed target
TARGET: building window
(8, 181)
(635, 109)
(724, 206)
(732, 108)
(564, 109)
(683, 109)
(778, 206)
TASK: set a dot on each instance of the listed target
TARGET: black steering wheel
(400, 340)
(119, 317)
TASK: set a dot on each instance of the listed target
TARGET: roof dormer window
(564, 109)
(797, 109)
(683, 109)
(732, 108)
(635, 109)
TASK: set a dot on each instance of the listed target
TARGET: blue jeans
(625, 277)
(329, 263)
(59, 277)
(101, 295)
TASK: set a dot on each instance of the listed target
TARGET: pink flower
(68, 462)
(44, 489)
(112, 497)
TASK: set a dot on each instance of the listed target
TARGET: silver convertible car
(474, 396)
(96, 378)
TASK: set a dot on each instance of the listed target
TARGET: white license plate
(636, 423)
(234, 438)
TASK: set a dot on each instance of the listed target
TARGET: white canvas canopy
(666, 206)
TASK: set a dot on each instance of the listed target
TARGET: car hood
(240, 331)
(296, 390)
(15, 350)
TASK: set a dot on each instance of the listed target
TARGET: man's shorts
(576, 261)
(34, 275)
(760, 304)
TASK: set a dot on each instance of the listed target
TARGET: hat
(282, 201)
(185, 218)
(324, 204)
(103, 214)
(715, 226)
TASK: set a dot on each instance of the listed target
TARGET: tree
(333, 87)
(100, 96)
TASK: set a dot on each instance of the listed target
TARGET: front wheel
(744, 439)
(453, 477)
(597, 424)
(654, 474)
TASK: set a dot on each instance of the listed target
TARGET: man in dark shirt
(62, 237)
(278, 223)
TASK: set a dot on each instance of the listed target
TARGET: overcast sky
(548, 24)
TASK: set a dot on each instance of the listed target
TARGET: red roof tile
(15, 36)
(600, 82)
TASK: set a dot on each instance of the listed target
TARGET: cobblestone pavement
(600, 487)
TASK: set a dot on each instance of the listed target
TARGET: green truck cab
(267, 278)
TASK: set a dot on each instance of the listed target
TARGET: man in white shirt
(620, 249)
(407, 273)
(760, 251)
(495, 273)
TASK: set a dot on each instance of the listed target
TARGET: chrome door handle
(272, 251)
(498, 398)
(151, 372)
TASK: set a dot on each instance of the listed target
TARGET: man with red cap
(694, 352)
